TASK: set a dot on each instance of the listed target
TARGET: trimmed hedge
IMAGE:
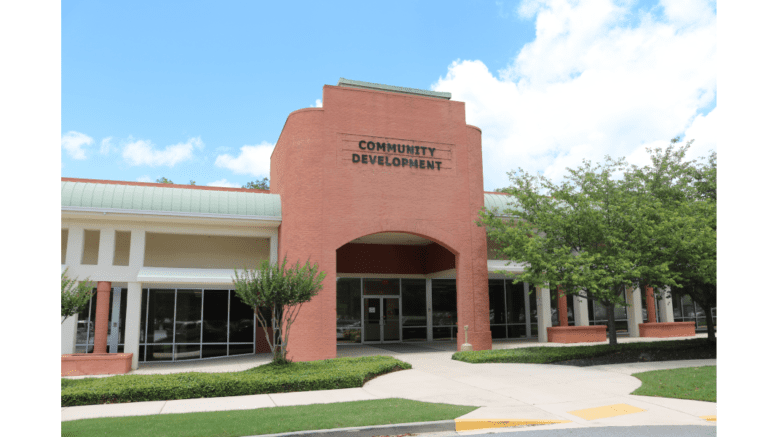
(269, 378)
(662, 350)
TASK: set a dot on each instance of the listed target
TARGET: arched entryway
(395, 287)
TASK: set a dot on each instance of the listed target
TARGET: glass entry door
(381, 319)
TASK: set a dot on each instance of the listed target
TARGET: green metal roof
(499, 201)
(392, 88)
(88, 196)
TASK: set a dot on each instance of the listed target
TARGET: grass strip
(267, 420)
(698, 348)
(695, 383)
(269, 378)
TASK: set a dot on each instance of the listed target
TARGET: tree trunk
(710, 323)
(611, 323)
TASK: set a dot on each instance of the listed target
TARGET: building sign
(389, 154)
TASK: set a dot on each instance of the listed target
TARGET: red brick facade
(334, 189)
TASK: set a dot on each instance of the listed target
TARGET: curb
(473, 424)
(372, 430)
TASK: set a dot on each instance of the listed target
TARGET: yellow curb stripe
(710, 418)
(470, 424)
(605, 411)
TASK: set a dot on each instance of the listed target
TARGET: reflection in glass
(443, 302)
(241, 321)
(374, 287)
(188, 317)
(349, 314)
(496, 298)
(414, 302)
(214, 323)
(515, 303)
(161, 311)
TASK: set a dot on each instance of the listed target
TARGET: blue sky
(200, 90)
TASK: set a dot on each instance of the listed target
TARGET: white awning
(496, 264)
(185, 276)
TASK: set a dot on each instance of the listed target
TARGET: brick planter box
(577, 334)
(96, 364)
(669, 329)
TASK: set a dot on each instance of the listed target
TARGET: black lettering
(380, 147)
(410, 150)
(373, 158)
(438, 164)
(430, 165)
(423, 149)
(392, 148)
(355, 157)
(401, 148)
(416, 150)
(431, 151)
(364, 159)
(380, 160)
(395, 162)
(413, 163)
(404, 162)
(370, 146)
(360, 145)
(422, 163)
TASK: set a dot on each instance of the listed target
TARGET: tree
(75, 295)
(592, 234)
(259, 184)
(164, 180)
(191, 182)
(279, 291)
(687, 188)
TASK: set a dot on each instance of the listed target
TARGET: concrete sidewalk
(523, 393)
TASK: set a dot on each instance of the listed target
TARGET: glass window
(188, 317)
(381, 286)
(349, 313)
(214, 323)
(444, 302)
(161, 312)
(414, 302)
(515, 303)
(241, 321)
(496, 297)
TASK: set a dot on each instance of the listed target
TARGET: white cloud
(106, 146)
(145, 178)
(73, 142)
(223, 183)
(318, 104)
(599, 79)
(253, 160)
(143, 152)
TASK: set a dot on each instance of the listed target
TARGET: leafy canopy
(75, 295)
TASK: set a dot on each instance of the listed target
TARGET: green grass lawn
(696, 383)
(626, 352)
(267, 420)
(269, 378)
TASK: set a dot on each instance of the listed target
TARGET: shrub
(269, 378)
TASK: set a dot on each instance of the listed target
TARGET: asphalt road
(610, 431)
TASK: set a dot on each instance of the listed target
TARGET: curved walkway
(503, 391)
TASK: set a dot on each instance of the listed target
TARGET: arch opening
(395, 287)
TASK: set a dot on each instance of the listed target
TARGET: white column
(527, 308)
(665, 309)
(68, 330)
(274, 247)
(132, 321)
(107, 247)
(633, 310)
(543, 314)
(580, 307)
(75, 249)
(137, 248)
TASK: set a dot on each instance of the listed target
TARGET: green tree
(191, 182)
(259, 184)
(75, 295)
(279, 291)
(591, 234)
(164, 180)
(686, 189)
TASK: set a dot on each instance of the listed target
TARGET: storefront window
(349, 313)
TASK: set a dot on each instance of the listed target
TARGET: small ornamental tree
(276, 293)
(75, 295)
(259, 184)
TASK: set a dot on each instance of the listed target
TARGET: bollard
(466, 346)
